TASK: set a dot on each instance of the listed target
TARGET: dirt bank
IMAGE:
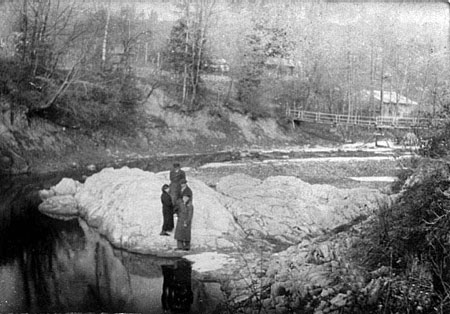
(41, 146)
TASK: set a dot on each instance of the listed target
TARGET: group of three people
(176, 198)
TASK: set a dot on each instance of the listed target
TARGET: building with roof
(390, 103)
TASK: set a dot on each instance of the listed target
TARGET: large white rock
(289, 208)
(63, 206)
(124, 204)
(66, 186)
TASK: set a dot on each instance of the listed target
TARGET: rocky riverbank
(287, 239)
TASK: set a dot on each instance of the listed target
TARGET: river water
(49, 265)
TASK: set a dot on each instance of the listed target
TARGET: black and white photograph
(225, 156)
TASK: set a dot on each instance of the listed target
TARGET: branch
(67, 81)
(153, 87)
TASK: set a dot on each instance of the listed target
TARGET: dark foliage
(93, 102)
(411, 237)
(439, 144)
(185, 56)
(19, 86)
(250, 77)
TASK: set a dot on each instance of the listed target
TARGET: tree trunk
(24, 29)
(105, 39)
(382, 85)
(186, 50)
(196, 76)
(448, 34)
(372, 81)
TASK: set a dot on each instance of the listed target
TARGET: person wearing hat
(185, 190)
(184, 222)
(167, 208)
(176, 175)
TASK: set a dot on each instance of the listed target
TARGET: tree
(266, 40)
(251, 71)
(49, 30)
(186, 50)
(127, 32)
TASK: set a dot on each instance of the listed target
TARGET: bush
(413, 234)
(19, 86)
(100, 105)
(438, 145)
(92, 102)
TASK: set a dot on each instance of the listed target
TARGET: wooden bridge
(380, 122)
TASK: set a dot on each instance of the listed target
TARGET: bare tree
(51, 31)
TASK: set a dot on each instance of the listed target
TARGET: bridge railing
(330, 118)
(296, 113)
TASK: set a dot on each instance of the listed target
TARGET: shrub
(413, 233)
(100, 105)
(438, 145)
(19, 86)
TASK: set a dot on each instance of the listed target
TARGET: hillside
(41, 145)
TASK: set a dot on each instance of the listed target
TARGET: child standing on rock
(167, 208)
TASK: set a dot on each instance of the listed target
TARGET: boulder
(288, 208)
(124, 205)
(62, 207)
(66, 186)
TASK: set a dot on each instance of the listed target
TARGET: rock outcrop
(289, 209)
(321, 220)
(125, 206)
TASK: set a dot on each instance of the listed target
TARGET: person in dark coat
(185, 190)
(176, 175)
(167, 208)
(184, 222)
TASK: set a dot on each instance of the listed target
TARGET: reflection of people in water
(177, 295)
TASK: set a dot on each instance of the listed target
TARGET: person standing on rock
(183, 229)
(185, 190)
(176, 175)
(167, 208)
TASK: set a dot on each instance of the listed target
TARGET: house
(390, 103)
(119, 58)
(280, 66)
(219, 65)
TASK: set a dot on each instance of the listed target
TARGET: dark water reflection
(177, 293)
(48, 265)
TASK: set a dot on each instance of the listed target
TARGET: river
(49, 265)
